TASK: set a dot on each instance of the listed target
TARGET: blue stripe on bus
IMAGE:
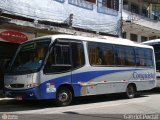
(40, 92)
(78, 77)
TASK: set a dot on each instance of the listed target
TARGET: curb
(6, 100)
(1, 96)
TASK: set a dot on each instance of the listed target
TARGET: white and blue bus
(156, 45)
(61, 67)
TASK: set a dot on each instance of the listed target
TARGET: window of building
(156, 11)
(125, 4)
(143, 38)
(108, 7)
(62, 1)
(134, 8)
(152, 37)
(92, 1)
(108, 3)
(86, 4)
(144, 12)
(133, 37)
(113, 4)
(124, 35)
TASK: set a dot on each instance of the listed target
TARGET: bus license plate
(18, 97)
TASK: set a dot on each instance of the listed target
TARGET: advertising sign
(13, 36)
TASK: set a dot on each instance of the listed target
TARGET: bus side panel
(94, 81)
(91, 81)
(114, 80)
(144, 79)
(52, 82)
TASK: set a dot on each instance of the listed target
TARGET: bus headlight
(32, 85)
(7, 86)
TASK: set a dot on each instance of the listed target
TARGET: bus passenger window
(108, 55)
(148, 57)
(93, 55)
(130, 56)
(78, 58)
(144, 57)
(59, 59)
(120, 55)
(100, 54)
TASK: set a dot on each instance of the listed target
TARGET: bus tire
(131, 91)
(64, 96)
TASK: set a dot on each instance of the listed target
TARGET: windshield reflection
(30, 57)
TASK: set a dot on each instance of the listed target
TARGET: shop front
(9, 41)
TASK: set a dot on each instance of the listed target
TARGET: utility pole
(121, 18)
(70, 20)
(36, 27)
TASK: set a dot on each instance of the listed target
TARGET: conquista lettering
(143, 76)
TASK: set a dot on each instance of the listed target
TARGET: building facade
(62, 16)
(141, 20)
(22, 20)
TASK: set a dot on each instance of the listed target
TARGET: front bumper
(27, 94)
(37, 93)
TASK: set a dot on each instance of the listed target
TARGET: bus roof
(151, 42)
(102, 39)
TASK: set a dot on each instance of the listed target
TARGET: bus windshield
(30, 57)
(157, 55)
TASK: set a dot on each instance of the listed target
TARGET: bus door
(64, 62)
(58, 65)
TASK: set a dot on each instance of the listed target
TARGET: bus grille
(17, 85)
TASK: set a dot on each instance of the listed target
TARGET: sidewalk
(1, 94)
(5, 100)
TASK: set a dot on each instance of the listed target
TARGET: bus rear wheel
(64, 96)
(130, 91)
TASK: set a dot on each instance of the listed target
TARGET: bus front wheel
(64, 96)
(130, 91)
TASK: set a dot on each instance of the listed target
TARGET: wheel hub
(131, 91)
(63, 97)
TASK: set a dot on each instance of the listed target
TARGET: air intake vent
(17, 85)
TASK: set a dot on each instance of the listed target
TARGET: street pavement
(103, 107)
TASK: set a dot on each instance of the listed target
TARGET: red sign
(13, 36)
